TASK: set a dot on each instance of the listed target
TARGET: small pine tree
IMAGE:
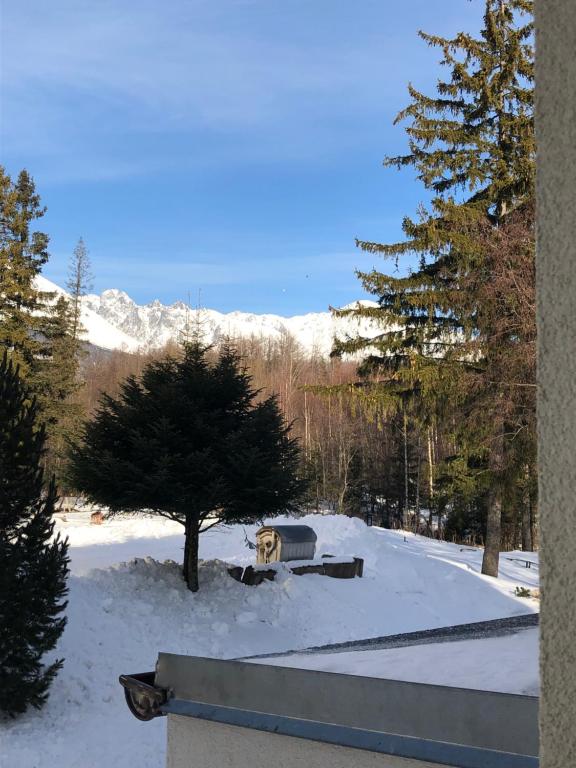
(22, 255)
(79, 283)
(187, 442)
(34, 565)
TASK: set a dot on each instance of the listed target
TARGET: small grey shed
(276, 543)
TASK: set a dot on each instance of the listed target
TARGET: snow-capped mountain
(114, 321)
(99, 331)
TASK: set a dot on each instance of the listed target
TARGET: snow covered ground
(506, 664)
(123, 611)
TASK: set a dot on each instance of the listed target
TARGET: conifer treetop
(472, 146)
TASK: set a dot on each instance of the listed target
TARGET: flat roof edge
(475, 719)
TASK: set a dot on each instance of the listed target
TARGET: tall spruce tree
(472, 146)
(79, 283)
(34, 565)
(187, 441)
(57, 383)
(38, 330)
(23, 252)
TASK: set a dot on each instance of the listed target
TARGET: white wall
(196, 743)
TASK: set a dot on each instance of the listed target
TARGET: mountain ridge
(113, 320)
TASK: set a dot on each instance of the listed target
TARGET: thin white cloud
(84, 81)
(173, 63)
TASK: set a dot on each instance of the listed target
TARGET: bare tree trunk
(417, 504)
(186, 548)
(405, 437)
(343, 471)
(324, 471)
(527, 545)
(526, 528)
(341, 497)
(306, 428)
(534, 519)
(430, 479)
(491, 558)
(511, 534)
(190, 568)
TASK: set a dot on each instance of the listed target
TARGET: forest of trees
(429, 426)
(457, 348)
(360, 457)
(436, 428)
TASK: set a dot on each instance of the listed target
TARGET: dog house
(281, 543)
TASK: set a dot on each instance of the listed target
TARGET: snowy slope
(98, 330)
(506, 664)
(114, 321)
(123, 613)
(155, 324)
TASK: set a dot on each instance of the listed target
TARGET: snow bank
(122, 612)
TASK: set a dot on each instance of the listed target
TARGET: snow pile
(123, 611)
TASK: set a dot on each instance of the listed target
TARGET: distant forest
(382, 466)
(433, 428)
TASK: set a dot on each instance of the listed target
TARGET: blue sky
(228, 147)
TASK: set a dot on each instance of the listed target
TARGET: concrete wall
(193, 743)
(556, 266)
